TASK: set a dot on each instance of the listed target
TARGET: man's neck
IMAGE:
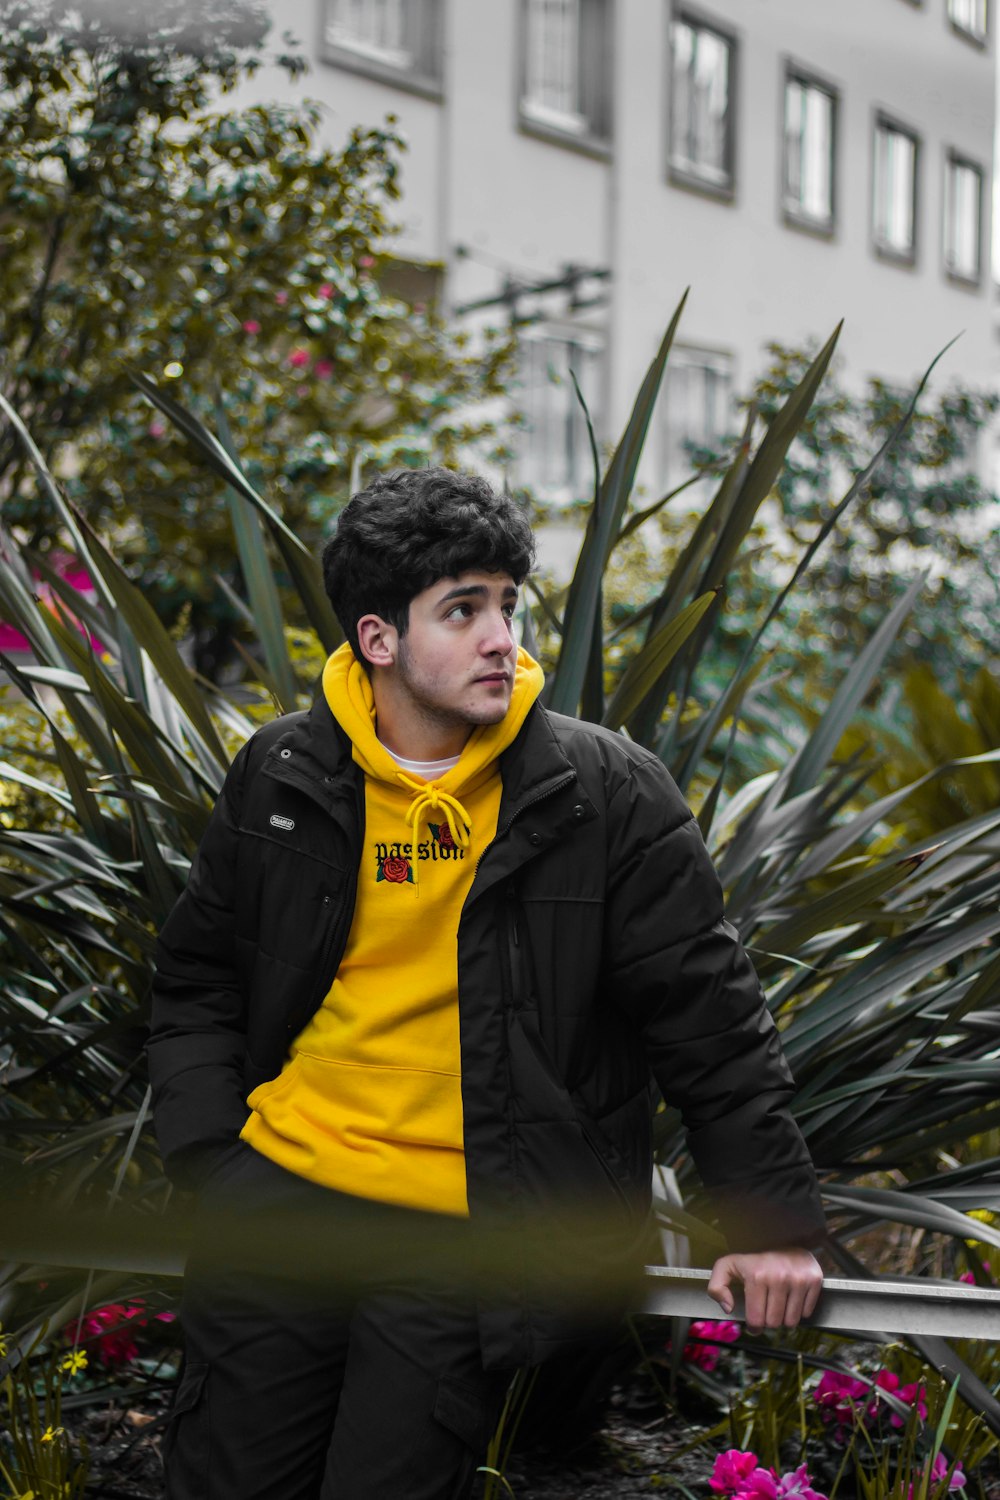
(417, 736)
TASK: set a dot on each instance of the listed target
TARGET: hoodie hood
(349, 695)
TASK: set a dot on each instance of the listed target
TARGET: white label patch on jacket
(277, 821)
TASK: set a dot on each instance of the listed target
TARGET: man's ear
(378, 641)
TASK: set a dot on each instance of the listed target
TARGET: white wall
(473, 178)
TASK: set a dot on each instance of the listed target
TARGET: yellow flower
(50, 1434)
(75, 1361)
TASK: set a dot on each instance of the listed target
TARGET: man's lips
(494, 677)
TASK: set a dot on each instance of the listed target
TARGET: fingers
(720, 1281)
(779, 1287)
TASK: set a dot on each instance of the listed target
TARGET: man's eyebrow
(480, 590)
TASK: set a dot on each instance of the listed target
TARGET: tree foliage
(148, 223)
(925, 509)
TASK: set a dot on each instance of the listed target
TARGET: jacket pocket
(555, 1129)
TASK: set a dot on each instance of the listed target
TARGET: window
(963, 211)
(697, 407)
(395, 39)
(566, 68)
(701, 103)
(970, 17)
(810, 151)
(894, 209)
(556, 462)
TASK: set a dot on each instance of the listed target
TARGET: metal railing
(901, 1306)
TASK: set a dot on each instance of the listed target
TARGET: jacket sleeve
(197, 1028)
(679, 970)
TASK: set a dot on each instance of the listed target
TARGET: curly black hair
(408, 529)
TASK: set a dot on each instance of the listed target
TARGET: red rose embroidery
(444, 837)
(396, 869)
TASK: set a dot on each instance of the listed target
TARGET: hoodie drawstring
(428, 798)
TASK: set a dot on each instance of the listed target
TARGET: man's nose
(498, 640)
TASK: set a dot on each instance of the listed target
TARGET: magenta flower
(109, 1330)
(838, 1396)
(281, 298)
(366, 262)
(798, 1484)
(251, 326)
(299, 358)
(913, 1395)
(706, 1356)
(323, 369)
(939, 1469)
(731, 1470)
(156, 428)
(327, 290)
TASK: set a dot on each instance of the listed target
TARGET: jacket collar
(315, 755)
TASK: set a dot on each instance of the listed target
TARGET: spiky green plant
(877, 955)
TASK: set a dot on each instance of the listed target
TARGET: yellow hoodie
(370, 1098)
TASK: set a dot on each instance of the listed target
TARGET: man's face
(455, 664)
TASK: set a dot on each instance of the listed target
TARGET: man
(432, 946)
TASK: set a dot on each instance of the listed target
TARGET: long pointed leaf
(261, 587)
(567, 682)
(302, 566)
(648, 666)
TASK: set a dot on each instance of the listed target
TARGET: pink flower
(299, 358)
(970, 1279)
(740, 1475)
(798, 1484)
(913, 1395)
(705, 1356)
(281, 298)
(323, 369)
(156, 428)
(838, 1396)
(327, 290)
(761, 1485)
(731, 1471)
(109, 1330)
(366, 262)
(939, 1469)
(251, 326)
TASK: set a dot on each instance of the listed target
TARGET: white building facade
(575, 164)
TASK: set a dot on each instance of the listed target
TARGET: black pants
(287, 1394)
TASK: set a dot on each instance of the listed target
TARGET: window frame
(593, 341)
(884, 119)
(595, 139)
(424, 77)
(792, 216)
(955, 158)
(980, 39)
(687, 177)
(700, 357)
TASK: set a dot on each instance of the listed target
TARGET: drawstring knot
(429, 798)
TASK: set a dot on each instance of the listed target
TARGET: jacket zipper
(515, 964)
(548, 791)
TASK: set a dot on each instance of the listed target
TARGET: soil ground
(632, 1456)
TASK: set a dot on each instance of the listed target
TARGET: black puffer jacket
(592, 951)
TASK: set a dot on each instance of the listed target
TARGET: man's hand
(779, 1286)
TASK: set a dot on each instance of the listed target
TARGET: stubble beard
(442, 715)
